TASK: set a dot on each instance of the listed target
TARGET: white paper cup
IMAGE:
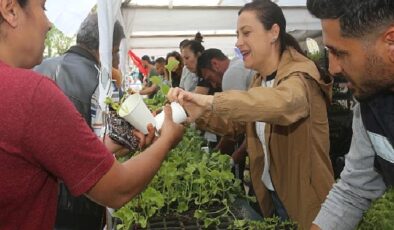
(135, 111)
(178, 115)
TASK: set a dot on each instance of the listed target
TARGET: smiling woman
(283, 113)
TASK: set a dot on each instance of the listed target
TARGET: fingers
(151, 134)
(167, 113)
(140, 136)
(147, 139)
(176, 94)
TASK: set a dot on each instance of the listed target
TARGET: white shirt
(260, 127)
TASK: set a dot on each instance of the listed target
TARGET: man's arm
(149, 90)
(351, 196)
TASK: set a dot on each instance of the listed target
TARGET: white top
(189, 80)
(260, 127)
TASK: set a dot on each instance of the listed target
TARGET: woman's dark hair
(194, 46)
(199, 37)
(176, 55)
(182, 43)
(22, 3)
(269, 13)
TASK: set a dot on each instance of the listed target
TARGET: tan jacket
(296, 132)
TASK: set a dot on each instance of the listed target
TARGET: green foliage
(156, 102)
(115, 105)
(315, 56)
(189, 179)
(273, 223)
(380, 215)
(57, 43)
(164, 88)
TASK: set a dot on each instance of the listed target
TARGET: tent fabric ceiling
(156, 30)
(172, 3)
(157, 26)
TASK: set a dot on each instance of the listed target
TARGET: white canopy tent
(155, 27)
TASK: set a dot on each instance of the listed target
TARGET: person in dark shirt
(359, 38)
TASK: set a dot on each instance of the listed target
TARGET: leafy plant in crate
(381, 213)
(192, 184)
(187, 179)
(159, 98)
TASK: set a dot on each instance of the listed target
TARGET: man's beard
(377, 77)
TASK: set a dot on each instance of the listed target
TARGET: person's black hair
(195, 46)
(182, 43)
(204, 60)
(146, 58)
(88, 33)
(22, 3)
(269, 14)
(160, 60)
(357, 18)
(118, 34)
(176, 55)
(199, 37)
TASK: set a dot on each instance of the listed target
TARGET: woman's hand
(171, 130)
(194, 104)
(145, 140)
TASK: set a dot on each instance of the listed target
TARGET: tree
(57, 43)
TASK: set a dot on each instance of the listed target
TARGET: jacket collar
(82, 52)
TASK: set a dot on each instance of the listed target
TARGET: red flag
(137, 61)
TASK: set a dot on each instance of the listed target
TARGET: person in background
(150, 68)
(359, 37)
(176, 73)
(148, 88)
(76, 73)
(221, 72)
(160, 66)
(284, 115)
(116, 73)
(190, 52)
(151, 88)
(44, 139)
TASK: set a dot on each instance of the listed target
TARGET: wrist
(209, 103)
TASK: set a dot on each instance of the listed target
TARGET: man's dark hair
(357, 18)
(204, 60)
(146, 58)
(160, 60)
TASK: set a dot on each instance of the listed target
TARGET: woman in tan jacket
(283, 113)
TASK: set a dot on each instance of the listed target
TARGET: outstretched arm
(351, 196)
(123, 181)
